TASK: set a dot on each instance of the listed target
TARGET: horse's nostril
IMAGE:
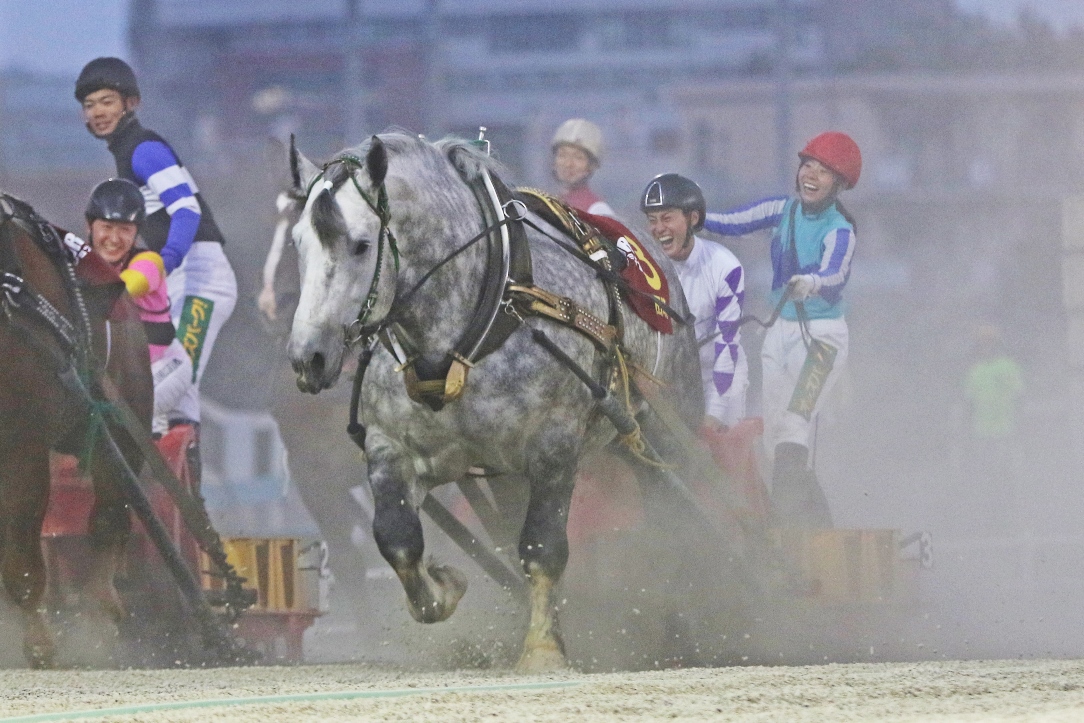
(317, 364)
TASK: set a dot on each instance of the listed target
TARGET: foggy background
(970, 116)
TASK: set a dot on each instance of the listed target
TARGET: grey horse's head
(346, 233)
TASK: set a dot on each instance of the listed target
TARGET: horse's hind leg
(24, 496)
(543, 547)
(110, 527)
(433, 591)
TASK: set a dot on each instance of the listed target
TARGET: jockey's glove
(803, 286)
(136, 283)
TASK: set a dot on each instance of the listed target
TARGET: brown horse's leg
(24, 495)
(110, 527)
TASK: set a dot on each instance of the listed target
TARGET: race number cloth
(641, 272)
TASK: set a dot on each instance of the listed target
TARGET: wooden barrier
(850, 566)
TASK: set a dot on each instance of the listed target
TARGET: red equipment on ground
(281, 612)
(607, 497)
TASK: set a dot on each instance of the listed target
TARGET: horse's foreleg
(543, 548)
(110, 526)
(24, 496)
(432, 591)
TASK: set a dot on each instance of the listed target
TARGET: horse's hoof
(546, 658)
(40, 656)
(450, 586)
(111, 606)
(454, 585)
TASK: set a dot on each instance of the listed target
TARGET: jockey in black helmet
(179, 225)
(714, 285)
(114, 214)
(116, 200)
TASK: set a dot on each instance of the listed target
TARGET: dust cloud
(962, 248)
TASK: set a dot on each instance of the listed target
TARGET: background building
(226, 73)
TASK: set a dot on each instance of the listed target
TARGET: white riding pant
(202, 293)
(782, 357)
(172, 379)
(730, 407)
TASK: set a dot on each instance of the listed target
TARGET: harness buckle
(400, 368)
(518, 206)
(510, 308)
(354, 333)
(12, 286)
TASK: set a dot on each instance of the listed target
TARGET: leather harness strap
(509, 286)
(508, 261)
(531, 300)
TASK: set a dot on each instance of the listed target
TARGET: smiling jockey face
(104, 109)
(113, 240)
(673, 229)
(572, 165)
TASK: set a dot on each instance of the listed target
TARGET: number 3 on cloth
(818, 365)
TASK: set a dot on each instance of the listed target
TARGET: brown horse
(37, 413)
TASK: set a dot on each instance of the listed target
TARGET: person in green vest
(993, 389)
(994, 386)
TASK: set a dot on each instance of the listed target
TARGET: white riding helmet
(581, 133)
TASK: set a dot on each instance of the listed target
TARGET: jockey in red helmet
(813, 242)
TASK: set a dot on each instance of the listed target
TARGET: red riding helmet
(838, 152)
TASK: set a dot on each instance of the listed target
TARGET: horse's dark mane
(18, 208)
(327, 217)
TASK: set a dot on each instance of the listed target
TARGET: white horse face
(338, 258)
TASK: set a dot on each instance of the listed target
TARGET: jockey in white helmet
(577, 154)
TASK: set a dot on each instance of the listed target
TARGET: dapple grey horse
(523, 413)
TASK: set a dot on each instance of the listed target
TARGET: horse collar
(508, 261)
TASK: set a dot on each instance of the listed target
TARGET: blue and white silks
(167, 184)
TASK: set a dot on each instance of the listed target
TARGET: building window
(649, 30)
(537, 33)
(666, 141)
(703, 151)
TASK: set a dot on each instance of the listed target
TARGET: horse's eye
(362, 246)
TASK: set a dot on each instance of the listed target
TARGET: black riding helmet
(116, 199)
(111, 73)
(670, 190)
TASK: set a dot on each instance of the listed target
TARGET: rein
(508, 219)
(356, 331)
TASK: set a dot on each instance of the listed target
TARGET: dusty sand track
(941, 691)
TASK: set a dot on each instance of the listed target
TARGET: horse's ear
(376, 161)
(302, 170)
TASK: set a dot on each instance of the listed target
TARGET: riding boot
(195, 461)
(797, 497)
(817, 510)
